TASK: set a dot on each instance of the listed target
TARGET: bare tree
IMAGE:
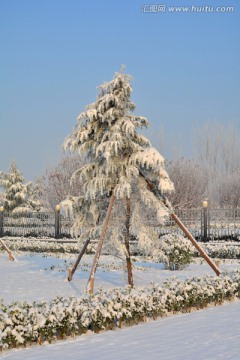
(217, 150)
(59, 182)
(228, 191)
(190, 182)
(217, 146)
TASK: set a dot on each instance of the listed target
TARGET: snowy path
(203, 335)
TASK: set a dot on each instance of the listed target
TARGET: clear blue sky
(54, 53)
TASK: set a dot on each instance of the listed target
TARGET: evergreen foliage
(15, 190)
(19, 197)
(120, 161)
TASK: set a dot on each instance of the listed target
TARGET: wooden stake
(72, 270)
(196, 244)
(10, 255)
(158, 194)
(127, 240)
(90, 285)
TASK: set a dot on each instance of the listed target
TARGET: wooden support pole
(10, 255)
(72, 270)
(196, 244)
(90, 285)
(157, 193)
(127, 241)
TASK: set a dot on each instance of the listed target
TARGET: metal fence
(35, 224)
(205, 224)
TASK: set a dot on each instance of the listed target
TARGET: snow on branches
(119, 160)
(19, 197)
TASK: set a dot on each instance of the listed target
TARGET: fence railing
(205, 224)
(35, 224)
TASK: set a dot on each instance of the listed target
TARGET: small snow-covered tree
(16, 192)
(120, 162)
(174, 251)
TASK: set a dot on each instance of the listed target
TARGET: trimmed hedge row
(218, 250)
(40, 246)
(223, 251)
(27, 323)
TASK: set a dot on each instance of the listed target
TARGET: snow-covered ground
(207, 334)
(35, 277)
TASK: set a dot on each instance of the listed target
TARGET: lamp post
(1, 220)
(205, 206)
(57, 221)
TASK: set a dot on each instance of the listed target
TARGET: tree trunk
(127, 241)
(90, 285)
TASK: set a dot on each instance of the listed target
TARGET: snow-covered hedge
(222, 251)
(26, 323)
(40, 246)
(218, 250)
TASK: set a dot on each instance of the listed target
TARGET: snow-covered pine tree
(16, 192)
(120, 163)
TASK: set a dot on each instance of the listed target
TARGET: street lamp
(57, 221)
(205, 206)
(205, 203)
(1, 220)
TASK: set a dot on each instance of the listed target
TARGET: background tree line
(212, 172)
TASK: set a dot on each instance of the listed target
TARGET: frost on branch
(19, 197)
(119, 161)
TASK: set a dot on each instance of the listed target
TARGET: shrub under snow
(223, 250)
(27, 323)
(180, 246)
(40, 246)
(174, 251)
